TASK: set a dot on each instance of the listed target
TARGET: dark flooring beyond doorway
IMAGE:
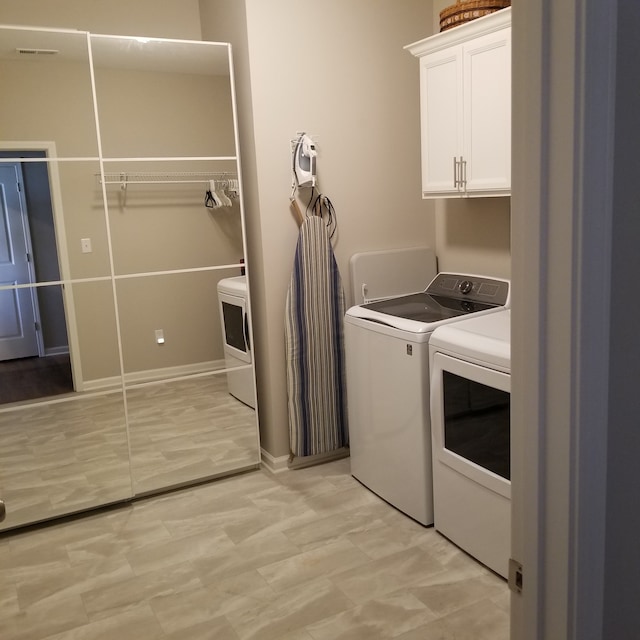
(31, 378)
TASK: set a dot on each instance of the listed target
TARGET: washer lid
(449, 296)
(424, 307)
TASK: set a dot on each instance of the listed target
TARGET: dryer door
(470, 421)
(470, 429)
(233, 314)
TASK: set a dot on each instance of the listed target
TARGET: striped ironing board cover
(314, 338)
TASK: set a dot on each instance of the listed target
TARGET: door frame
(564, 100)
(55, 193)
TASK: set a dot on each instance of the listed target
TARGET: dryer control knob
(466, 286)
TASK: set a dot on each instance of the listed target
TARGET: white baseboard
(273, 464)
(278, 465)
(152, 375)
(56, 351)
(320, 458)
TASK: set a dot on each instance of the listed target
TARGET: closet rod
(163, 181)
(181, 177)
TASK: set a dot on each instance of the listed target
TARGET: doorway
(38, 363)
(20, 335)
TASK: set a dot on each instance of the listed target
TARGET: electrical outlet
(159, 336)
(85, 244)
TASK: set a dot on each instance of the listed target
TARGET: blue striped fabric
(314, 338)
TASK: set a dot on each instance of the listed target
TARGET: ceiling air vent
(37, 52)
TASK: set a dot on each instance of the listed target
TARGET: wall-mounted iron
(304, 161)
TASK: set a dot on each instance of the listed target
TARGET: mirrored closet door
(117, 378)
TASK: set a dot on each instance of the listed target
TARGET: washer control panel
(474, 288)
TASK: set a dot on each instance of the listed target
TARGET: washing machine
(232, 302)
(471, 436)
(387, 365)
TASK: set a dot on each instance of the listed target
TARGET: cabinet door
(487, 112)
(441, 119)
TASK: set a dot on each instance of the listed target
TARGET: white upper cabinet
(465, 95)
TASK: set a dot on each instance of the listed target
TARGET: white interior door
(18, 335)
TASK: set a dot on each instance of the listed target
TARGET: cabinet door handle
(455, 173)
(463, 179)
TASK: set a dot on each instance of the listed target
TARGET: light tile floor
(302, 555)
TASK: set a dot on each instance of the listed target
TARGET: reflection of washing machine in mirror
(232, 300)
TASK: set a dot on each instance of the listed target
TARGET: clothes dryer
(232, 302)
(471, 435)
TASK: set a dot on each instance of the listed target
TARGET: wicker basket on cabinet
(466, 10)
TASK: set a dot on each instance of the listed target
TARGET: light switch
(85, 243)
(159, 336)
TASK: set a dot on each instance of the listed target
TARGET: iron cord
(321, 206)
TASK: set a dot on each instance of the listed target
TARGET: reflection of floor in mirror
(72, 455)
(63, 456)
(301, 555)
(187, 429)
(28, 378)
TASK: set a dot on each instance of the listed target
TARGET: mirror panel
(46, 90)
(95, 344)
(63, 434)
(184, 424)
(163, 99)
(167, 201)
(188, 429)
(84, 219)
(184, 306)
(119, 413)
(58, 210)
(61, 457)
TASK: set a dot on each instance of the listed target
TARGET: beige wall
(337, 70)
(473, 235)
(66, 116)
(96, 330)
(154, 113)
